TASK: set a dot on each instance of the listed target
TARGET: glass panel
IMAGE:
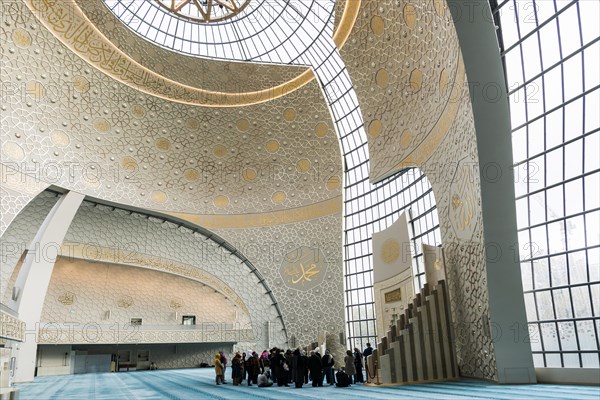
(590, 360)
(568, 341)
(571, 360)
(550, 337)
(561, 188)
(553, 361)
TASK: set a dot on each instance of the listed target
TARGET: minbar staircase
(420, 346)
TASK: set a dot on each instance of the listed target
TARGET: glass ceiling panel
(243, 30)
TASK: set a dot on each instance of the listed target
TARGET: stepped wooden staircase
(420, 346)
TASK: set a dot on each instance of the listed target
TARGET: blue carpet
(189, 384)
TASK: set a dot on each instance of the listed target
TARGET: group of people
(291, 367)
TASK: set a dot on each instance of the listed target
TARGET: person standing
(358, 361)
(298, 368)
(349, 368)
(284, 369)
(219, 369)
(224, 363)
(316, 370)
(327, 362)
(305, 362)
(236, 369)
(253, 369)
(244, 364)
(366, 353)
(288, 360)
(274, 365)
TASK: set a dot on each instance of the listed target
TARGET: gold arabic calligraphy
(302, 274)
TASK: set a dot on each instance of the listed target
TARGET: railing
(10, 326)
(93, 333)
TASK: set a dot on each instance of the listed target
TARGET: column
(34, 277)
(481, 54)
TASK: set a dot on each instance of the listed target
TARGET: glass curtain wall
(373, 211)
(551, 53)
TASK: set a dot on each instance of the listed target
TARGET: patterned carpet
(189, 384)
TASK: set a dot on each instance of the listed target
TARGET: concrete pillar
(481, 54)
(34, 277)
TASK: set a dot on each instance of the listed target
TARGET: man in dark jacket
(368, 351)
(327, 363)
(316, 370)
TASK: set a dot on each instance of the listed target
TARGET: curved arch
(153, 263)
(160, 263)
(207, 236)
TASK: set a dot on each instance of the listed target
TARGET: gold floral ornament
(176, 303)
(125, 301)
(67, 298)
(465, 207)
(205, 11)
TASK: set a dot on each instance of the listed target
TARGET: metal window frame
(526, 227)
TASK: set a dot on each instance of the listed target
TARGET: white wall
(55, 360)
(166, 356)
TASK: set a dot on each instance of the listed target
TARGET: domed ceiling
(117, 143)
(133, 147)
(216, 76)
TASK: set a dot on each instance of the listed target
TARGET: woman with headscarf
(252, 368)
(305, 362)
(358, 361)
(316, 370)
(264, 361)
(288, 359)
(283, 370)
(236, 369)
(224, 362)
(297, 368)
(244, 365)
(274, 364)
(349, 368)
(219, 370)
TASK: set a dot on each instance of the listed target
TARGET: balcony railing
(10, 326)
(93, 333)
